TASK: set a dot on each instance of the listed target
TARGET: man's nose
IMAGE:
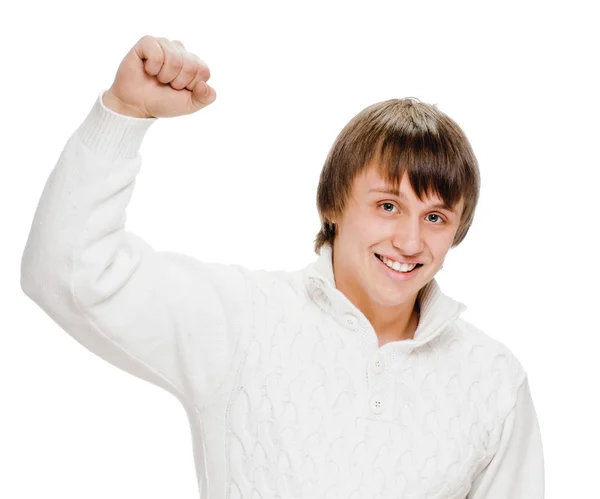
(408, 237)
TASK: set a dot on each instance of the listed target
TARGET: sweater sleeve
(164, 317)
(516, 471)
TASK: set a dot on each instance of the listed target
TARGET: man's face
(400, 227)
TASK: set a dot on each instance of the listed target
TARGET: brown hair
(409, 136)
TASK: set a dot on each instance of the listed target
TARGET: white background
(236, 183)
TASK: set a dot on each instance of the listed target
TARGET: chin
(391, 302)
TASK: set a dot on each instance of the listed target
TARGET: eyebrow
(397, 193)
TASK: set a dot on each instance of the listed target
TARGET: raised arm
(165, 317)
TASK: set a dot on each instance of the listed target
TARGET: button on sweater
(287, 391)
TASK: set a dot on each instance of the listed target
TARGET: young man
(352, 377)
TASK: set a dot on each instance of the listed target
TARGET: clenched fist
(160, 78)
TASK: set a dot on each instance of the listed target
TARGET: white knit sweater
(287, 392)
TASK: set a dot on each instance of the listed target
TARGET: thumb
(202, 95)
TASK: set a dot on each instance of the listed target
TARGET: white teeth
(402, 267)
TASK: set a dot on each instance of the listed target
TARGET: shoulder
(487, 365)
(479, 347)
(272, 287)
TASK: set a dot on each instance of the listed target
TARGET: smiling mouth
(418, 265)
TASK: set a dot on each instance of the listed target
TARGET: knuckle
(189, 68)
(163, 42)
(170, 66)
(159, 43)
(176, 61)
(201, 66)
(175, 56)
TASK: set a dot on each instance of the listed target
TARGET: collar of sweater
(437, 309)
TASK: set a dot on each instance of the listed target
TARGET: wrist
(116, 105)
(112, 135)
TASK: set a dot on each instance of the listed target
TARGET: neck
(396, 325)
(390, 323)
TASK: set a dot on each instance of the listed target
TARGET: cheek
(375, 226)
(440, 246)
(363, 227)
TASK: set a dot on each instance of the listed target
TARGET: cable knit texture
(287, 391)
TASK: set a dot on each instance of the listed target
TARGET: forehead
(372, 178)
(372, 175)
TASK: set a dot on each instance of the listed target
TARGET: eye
(436, 215)
(391, 206)
(387, 204)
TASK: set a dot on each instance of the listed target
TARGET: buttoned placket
(379, 395)
(378, 380)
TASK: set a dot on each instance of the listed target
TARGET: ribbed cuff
(111, 134)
